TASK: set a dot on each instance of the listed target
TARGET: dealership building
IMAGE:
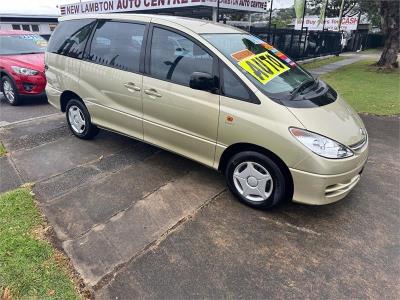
(42, 24)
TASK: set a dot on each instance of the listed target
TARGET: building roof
(196, 25)
(30, 16)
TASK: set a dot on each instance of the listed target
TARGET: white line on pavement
(6, 124)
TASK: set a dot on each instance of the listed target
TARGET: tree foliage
(351, 8)
(284, 17)
(333, 7)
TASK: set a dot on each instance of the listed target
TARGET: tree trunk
(389, 11)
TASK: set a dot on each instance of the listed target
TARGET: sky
(49, 7)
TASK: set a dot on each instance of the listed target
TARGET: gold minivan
(212, 93)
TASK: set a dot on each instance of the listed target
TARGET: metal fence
(301, 44)
(365, 40)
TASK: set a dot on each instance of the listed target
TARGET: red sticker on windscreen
(240, 55)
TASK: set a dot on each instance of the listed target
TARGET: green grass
(3, 150)
(372, 51)
(366, 88)
(321, 62)
(29, 267)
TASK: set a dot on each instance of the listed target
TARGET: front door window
(174, 57)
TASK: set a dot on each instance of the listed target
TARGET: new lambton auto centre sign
(138, 5)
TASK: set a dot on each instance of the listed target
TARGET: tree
(333, 7)
(371, 9)
(284, 17)
(351, 8)
(389, 11)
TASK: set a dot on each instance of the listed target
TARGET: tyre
(257, 180)
(79, 121)
(10, 91)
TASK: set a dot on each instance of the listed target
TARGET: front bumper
(316, 189)
(30, 85)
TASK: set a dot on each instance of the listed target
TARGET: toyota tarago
(212, 93)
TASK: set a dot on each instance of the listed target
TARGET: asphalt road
(32, 107)
(139, 222)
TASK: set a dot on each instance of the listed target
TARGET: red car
(21, 64)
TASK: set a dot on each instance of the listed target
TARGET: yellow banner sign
(263, 66)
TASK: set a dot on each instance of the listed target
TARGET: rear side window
(70, 37)
(174, 57)
(117, 44)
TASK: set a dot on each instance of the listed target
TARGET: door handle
(132, 86)
(152, 92)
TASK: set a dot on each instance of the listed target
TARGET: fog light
(28, 86)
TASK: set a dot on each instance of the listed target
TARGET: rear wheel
(79, 121)
(257, 180)
(10, 91)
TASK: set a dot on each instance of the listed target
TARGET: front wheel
(10, 91)
(257, 180)
(79, 121)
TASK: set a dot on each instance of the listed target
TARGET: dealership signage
(108, 6)
(315, 23)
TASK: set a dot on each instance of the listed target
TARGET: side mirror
(203, 81)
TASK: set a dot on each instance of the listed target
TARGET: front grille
(359, 145)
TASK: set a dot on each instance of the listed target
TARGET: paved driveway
(34, 107)
(141, 222)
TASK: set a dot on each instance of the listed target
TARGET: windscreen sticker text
(263, 66)
(38, 40)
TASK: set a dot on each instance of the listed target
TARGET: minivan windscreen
(270, 70)
(18, 44)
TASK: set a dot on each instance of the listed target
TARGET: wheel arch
(4, 73)
(66, 96)
(240, 147)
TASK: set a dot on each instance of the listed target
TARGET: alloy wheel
(8, 91)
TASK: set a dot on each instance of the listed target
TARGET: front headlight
(24, 71)
(321, 145)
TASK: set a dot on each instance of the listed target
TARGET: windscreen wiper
(301, 86)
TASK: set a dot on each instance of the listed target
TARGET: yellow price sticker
(41, 43)
(263, 66)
